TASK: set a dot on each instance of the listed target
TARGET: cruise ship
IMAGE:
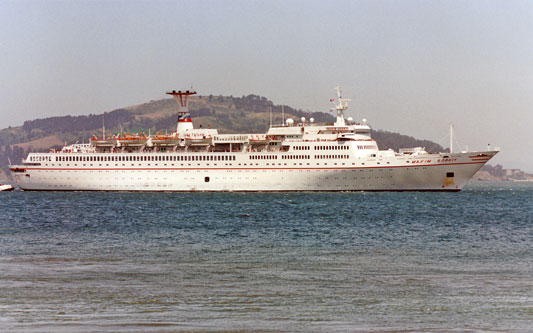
(298, 155)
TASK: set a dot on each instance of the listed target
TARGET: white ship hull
(431, 172)
(338, 156)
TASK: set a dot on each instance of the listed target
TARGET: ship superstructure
(296, 156)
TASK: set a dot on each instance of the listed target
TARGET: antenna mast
(451, 138)
(340, 107)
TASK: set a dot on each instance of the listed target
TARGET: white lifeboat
(165, 140)
(6, 187)
(259, 139)
(100, 141)
(198, 139)
(132, 140)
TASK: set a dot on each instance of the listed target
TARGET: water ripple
(267, 261)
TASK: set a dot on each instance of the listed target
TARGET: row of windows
(332, 147)
(332, 156)
(367, 147)
(263, 157)
(295, 157)
(143, 158)
(40, 158)
(172, 158)
(231, 138)
(322, 147)
(177, 158)
(112, 158)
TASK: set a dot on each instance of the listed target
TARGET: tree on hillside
(53, 125)
(396, 141)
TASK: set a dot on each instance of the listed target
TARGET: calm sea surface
(269, 262)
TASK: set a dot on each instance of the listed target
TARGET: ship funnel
(184, 116)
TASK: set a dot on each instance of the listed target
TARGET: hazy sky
(409, 66)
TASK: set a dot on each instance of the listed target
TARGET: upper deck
(344, 137)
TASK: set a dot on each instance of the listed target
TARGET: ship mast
(451, 138)
(184, 116)
(340, 107)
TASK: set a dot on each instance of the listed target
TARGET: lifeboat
(6, 187)
(99, 141)
(135, 140)
(198, 139)
(259, 139)
(165, 140)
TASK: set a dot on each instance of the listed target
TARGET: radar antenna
(340, 107)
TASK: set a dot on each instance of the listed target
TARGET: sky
(411, 67)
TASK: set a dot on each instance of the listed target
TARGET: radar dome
(302, 119)
(312, 120)
(363, 121)
(350, 119)
(289, 122)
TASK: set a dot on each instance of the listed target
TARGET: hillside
(246, 114)
(498, 173)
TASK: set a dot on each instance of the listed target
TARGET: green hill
(246, 114)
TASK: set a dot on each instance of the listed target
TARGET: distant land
(498, 173)
(228, 114)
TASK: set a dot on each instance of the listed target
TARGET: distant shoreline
(502, 180)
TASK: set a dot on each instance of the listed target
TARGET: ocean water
(324, 262)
